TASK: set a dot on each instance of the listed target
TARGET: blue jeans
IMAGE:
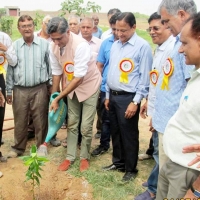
(105, 129)
(153, 178)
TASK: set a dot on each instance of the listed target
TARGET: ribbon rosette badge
(2, 61)
(126, 66)
(168, 69)
(154, 76)
(69, 70)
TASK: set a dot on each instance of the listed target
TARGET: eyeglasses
(26, 26)
(155, 28)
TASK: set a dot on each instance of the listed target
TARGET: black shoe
(31, 134)
(99, 150)
(113, 167)
(129, 175)
(97, 135)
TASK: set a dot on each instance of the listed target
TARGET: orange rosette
(2, 61)
(126, 66)
(168, 69)
(154, 76)
(69, 70)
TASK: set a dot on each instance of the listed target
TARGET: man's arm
(9, 51)
(100, 66)
(196, 186)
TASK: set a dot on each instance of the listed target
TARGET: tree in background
(38, 20)
(2, 12)
(78, 7)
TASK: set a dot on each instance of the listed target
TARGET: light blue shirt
(104, 57)
(98, 33)
(167, 101)
(33, 66)
(139, 52)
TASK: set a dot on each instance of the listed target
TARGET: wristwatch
(195, 192)
(135, 103)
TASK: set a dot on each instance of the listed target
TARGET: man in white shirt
(108, 33)
(177, 175)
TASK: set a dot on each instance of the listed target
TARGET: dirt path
(13, 187)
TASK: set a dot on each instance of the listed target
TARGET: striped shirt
(33, 67)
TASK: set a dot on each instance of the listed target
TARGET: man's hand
(2, 99)
(131, 110)
(3, 47)
(190, 149)
(106, 103)
(9, 99)
(143, 110)
(54, 105)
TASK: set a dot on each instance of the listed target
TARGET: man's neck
(29, 40)
(44, 35)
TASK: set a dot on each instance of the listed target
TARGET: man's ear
(183, 15)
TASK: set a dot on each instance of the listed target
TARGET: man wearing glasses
(28, 81)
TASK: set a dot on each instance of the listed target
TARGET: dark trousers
(150, 150)
(124, 132)
(99, 119)
(2, 109)
(105, 128)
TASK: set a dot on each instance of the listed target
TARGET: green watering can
(55, 120)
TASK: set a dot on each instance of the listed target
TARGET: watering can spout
(55, 119)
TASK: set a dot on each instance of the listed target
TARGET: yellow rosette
(69, 70)
(2, 61)
(126, 66)
(154, 76)
(168, 69)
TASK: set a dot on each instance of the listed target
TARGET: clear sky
(142, 6)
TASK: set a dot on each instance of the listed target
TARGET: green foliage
(141, 16)
(38, 20)
(78, 7)
(2, 12)
(6, 23)
(34, 164)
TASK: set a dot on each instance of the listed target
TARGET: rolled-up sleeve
(55, 65)
(81, 59)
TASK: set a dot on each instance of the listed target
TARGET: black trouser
(150, 150)
(124, 132)
(2, 109)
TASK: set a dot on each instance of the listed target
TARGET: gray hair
(47, 18)
(74, 17)
(173, 6)
(57, 24)
(89, 20)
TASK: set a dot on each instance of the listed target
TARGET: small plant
(34, 163)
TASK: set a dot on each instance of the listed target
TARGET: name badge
(69, 70)
(126, 66)
(168, 69)
(154, 76)
(2, 61)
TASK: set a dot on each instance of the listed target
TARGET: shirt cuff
(107, 95)
(9, 92)
(137, 98)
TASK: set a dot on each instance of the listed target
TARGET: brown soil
(55, 185)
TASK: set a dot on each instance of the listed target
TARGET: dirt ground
(13, 187)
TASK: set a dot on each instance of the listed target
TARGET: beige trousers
(88, 108)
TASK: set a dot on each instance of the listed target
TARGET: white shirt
(162, 52)
(81, 58)
(106, 34)
(183, 128)
(95, 44)
(10, 53)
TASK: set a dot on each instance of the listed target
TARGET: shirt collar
(165, 44)
(132, 40)
(35, 40)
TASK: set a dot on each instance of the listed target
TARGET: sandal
(64, 125)
(64, 143)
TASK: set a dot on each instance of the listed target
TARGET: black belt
(113, 92)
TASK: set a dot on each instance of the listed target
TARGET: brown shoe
(64, 166)
(84, 165)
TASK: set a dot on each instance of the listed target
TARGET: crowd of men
(111, 73)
